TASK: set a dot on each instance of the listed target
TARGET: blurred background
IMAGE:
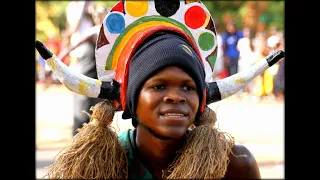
(246, 32)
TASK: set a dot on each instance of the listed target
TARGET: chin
(174, 132)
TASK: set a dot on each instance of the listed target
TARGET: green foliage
(219, 8)
(106, 3)
(274, 15)
(52, 14)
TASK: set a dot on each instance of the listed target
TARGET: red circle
(195, 17)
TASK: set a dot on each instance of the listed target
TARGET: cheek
(146, 104)
(194, 103)
(144, 100)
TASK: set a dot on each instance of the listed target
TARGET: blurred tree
(106, 3)
(50, 18)
(274, 15)
(50, 15)
(252, 14)
(224, 11)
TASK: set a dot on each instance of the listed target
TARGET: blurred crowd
(238, 49)
(74, 45)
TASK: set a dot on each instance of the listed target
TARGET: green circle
(206, 41)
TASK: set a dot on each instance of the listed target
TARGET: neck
(156, 153)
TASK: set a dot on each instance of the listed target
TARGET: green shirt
(136, 168)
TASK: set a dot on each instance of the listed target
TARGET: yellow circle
(137, 8)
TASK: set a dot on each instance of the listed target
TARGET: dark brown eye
(158, 87)
(189, 88)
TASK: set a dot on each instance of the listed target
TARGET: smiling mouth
(173, 115)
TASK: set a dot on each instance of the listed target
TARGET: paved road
(259, 126)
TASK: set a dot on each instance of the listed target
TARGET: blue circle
(115, 23)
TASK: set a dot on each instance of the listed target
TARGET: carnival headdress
(127, 25)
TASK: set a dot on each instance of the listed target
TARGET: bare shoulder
(242, 164)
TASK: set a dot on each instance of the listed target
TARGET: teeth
(174, 115)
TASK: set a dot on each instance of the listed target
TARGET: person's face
(168, 102)
(231, 28)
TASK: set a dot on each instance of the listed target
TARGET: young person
(155, 69)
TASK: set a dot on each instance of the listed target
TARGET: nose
(174, 96)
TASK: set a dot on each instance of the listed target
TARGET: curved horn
(226, 87)
(77, 82)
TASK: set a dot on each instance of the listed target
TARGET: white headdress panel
(128, 19)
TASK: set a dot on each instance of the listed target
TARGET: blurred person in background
(46, 77)
(272, 44)
(219, 69)
(79, 20)
(81, 50)
(260, 47)
(246, 58)
(90, 35)
(276, 42)
(230, 40)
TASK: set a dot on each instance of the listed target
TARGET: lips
(173, 113)
(174, 117)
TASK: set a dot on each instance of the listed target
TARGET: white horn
(228, 86)
(75, 81)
